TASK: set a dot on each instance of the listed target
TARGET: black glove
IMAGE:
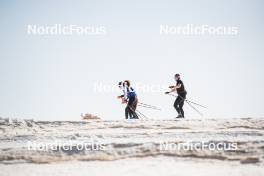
(167, 92)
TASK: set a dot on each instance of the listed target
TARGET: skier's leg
(134, 107)
(176, 104)
(181, 107)
(127, 112)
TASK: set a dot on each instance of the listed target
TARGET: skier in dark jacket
(180, 89)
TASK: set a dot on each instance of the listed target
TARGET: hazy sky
(52, 77)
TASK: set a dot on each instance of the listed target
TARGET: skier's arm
(174, 88)
(178, 86)
(120, 96)
(125, 92)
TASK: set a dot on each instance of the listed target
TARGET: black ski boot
(179, 116)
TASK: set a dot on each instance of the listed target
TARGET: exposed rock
(250, 160)
(89, 117)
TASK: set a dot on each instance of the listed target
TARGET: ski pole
(138, 113)
(194, 109)
(188, 100)
(196, 104)
(148, 107)
(188, 103)
(142, 114)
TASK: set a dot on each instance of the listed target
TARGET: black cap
(177, 74)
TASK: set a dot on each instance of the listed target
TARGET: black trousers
(130, 111)
(179, 102)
